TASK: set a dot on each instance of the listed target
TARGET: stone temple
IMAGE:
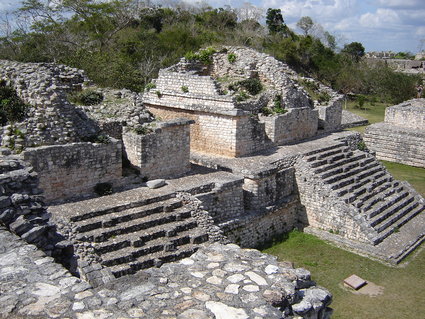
(228, 149)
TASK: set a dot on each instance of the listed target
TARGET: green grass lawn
(374, 113)
(404, 287)
(414, 175)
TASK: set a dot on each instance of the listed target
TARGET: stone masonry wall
(324, 210)
(409, 114)
(256, 229)
(224, 202)
(162, 153)
(74, 169)
(401, 138)
(295, 125)
(51, 119)
(218, 133)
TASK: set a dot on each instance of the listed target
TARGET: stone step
(129, 254)
(115, 218)
(347, 167)
(103, 234)
(398, 224)
(79, 216)
(390, 216)
(378, 204)
(138, 239)
(312, 155)
(152, 260)
(337, 161)
(378, 189)
(326, 155)
(353, 175)
(352, 191)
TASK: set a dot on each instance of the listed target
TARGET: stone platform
(217, 282)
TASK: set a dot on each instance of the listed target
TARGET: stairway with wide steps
(381, 205)
(140, 234)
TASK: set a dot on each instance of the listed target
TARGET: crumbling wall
(51, 119)
(163, 153)
(74, 169)
(22, 208)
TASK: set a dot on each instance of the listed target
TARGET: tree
(274, 21)
(355, 50)
(305, 24)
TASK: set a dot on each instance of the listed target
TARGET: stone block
(355, 282)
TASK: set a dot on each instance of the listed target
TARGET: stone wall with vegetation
(162, 150)
(74, 169)
(50, 118)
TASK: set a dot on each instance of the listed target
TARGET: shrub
(150, 86)
(158, 94)
(12, 108)
(252, 85)
(142, 130)
(86, 97)
(231, 57)
(323, 97)
(185, 89)
(242, 96)
(361, 146)
(204, 56)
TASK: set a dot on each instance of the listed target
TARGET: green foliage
(150, 86)
(242, 96)
(121, 45)
(142, 129)
(158, 94)
(103, 189)
(12, 108)
(355, 50)
(203, 56)
(185, 89)
(86, 97)
(274, 21)
(361, 146)
(252, 85)
(231, 57)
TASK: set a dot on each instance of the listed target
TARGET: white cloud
(383, 18)
(401, 3)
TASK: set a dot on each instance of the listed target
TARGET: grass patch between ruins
(414, 175)
(404, 287)
(374, 112)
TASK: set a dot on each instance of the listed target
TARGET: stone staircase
(139, 234)
(376, 205)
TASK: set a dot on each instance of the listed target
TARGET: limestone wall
(401, 137)
(51, 118)
(396, 144)
(74, 169)
(162, 153)
(218, 133)
(410, 114)
(330, 115)
(224, 202)
(259, 228)
(324, 210)
(295, 125)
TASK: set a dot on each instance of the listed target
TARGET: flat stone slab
(155, 183)
(355, 282)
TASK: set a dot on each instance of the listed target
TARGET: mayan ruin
(151, 205)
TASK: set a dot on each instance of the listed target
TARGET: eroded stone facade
(401, 137)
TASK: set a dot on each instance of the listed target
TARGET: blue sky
(380, 25)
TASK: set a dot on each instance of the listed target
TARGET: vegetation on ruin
(123, 44)
(329, 265)
(86, 97)
(12, 108)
